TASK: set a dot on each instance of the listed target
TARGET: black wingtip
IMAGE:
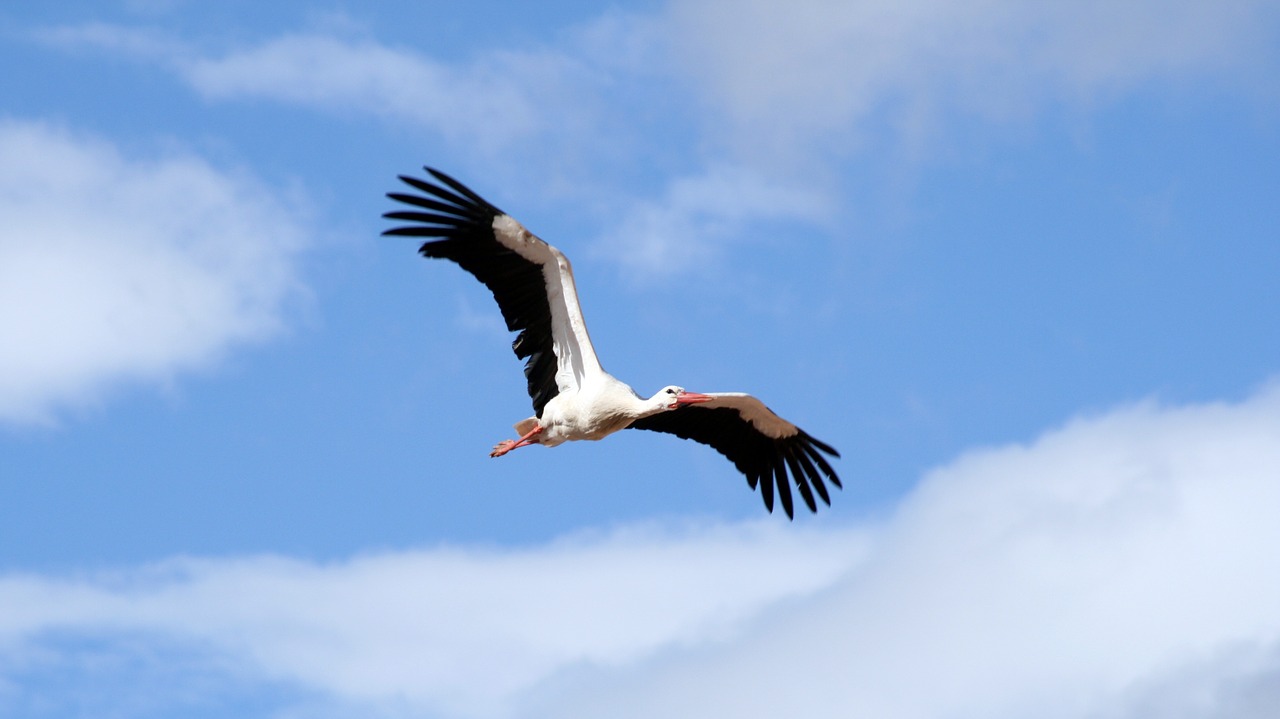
(457, 186)
(802, 480)
(821, 445)
(766, 490)
(783, 488)
(441, 176)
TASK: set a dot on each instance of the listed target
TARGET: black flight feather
(763, 459)
(463, 222)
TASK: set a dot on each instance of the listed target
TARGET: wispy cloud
(494, 103)
(763, 91)
(114, 268)
(1119, 565)
(817, 77)
(685, 228)
(140, 42)
(489, 104)
(755, 76)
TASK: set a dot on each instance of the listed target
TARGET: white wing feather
(576, 359)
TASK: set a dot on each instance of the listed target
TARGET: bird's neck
(653, 405)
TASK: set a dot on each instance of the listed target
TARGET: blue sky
(1016, 261)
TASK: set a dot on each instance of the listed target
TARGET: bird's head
(673, 397)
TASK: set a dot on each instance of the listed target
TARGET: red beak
(692, 398)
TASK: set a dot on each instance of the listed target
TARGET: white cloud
(1120, 566)
(113, 268)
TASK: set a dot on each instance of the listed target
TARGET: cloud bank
(1123, 565)
(463, 631)
(116, 268)
(1078, 576)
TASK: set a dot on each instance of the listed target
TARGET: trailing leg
(507, 445)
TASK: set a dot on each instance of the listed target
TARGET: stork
(573, 397)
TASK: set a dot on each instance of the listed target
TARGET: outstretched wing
(531, 280)
(763, 446)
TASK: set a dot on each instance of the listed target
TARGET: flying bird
(573, 397)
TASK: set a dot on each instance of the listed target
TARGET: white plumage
(573, 397)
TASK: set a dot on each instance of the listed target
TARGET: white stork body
(573, 397)
(596, 410)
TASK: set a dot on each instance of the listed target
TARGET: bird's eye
(671, 390)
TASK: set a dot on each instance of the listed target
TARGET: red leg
(507, 445)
